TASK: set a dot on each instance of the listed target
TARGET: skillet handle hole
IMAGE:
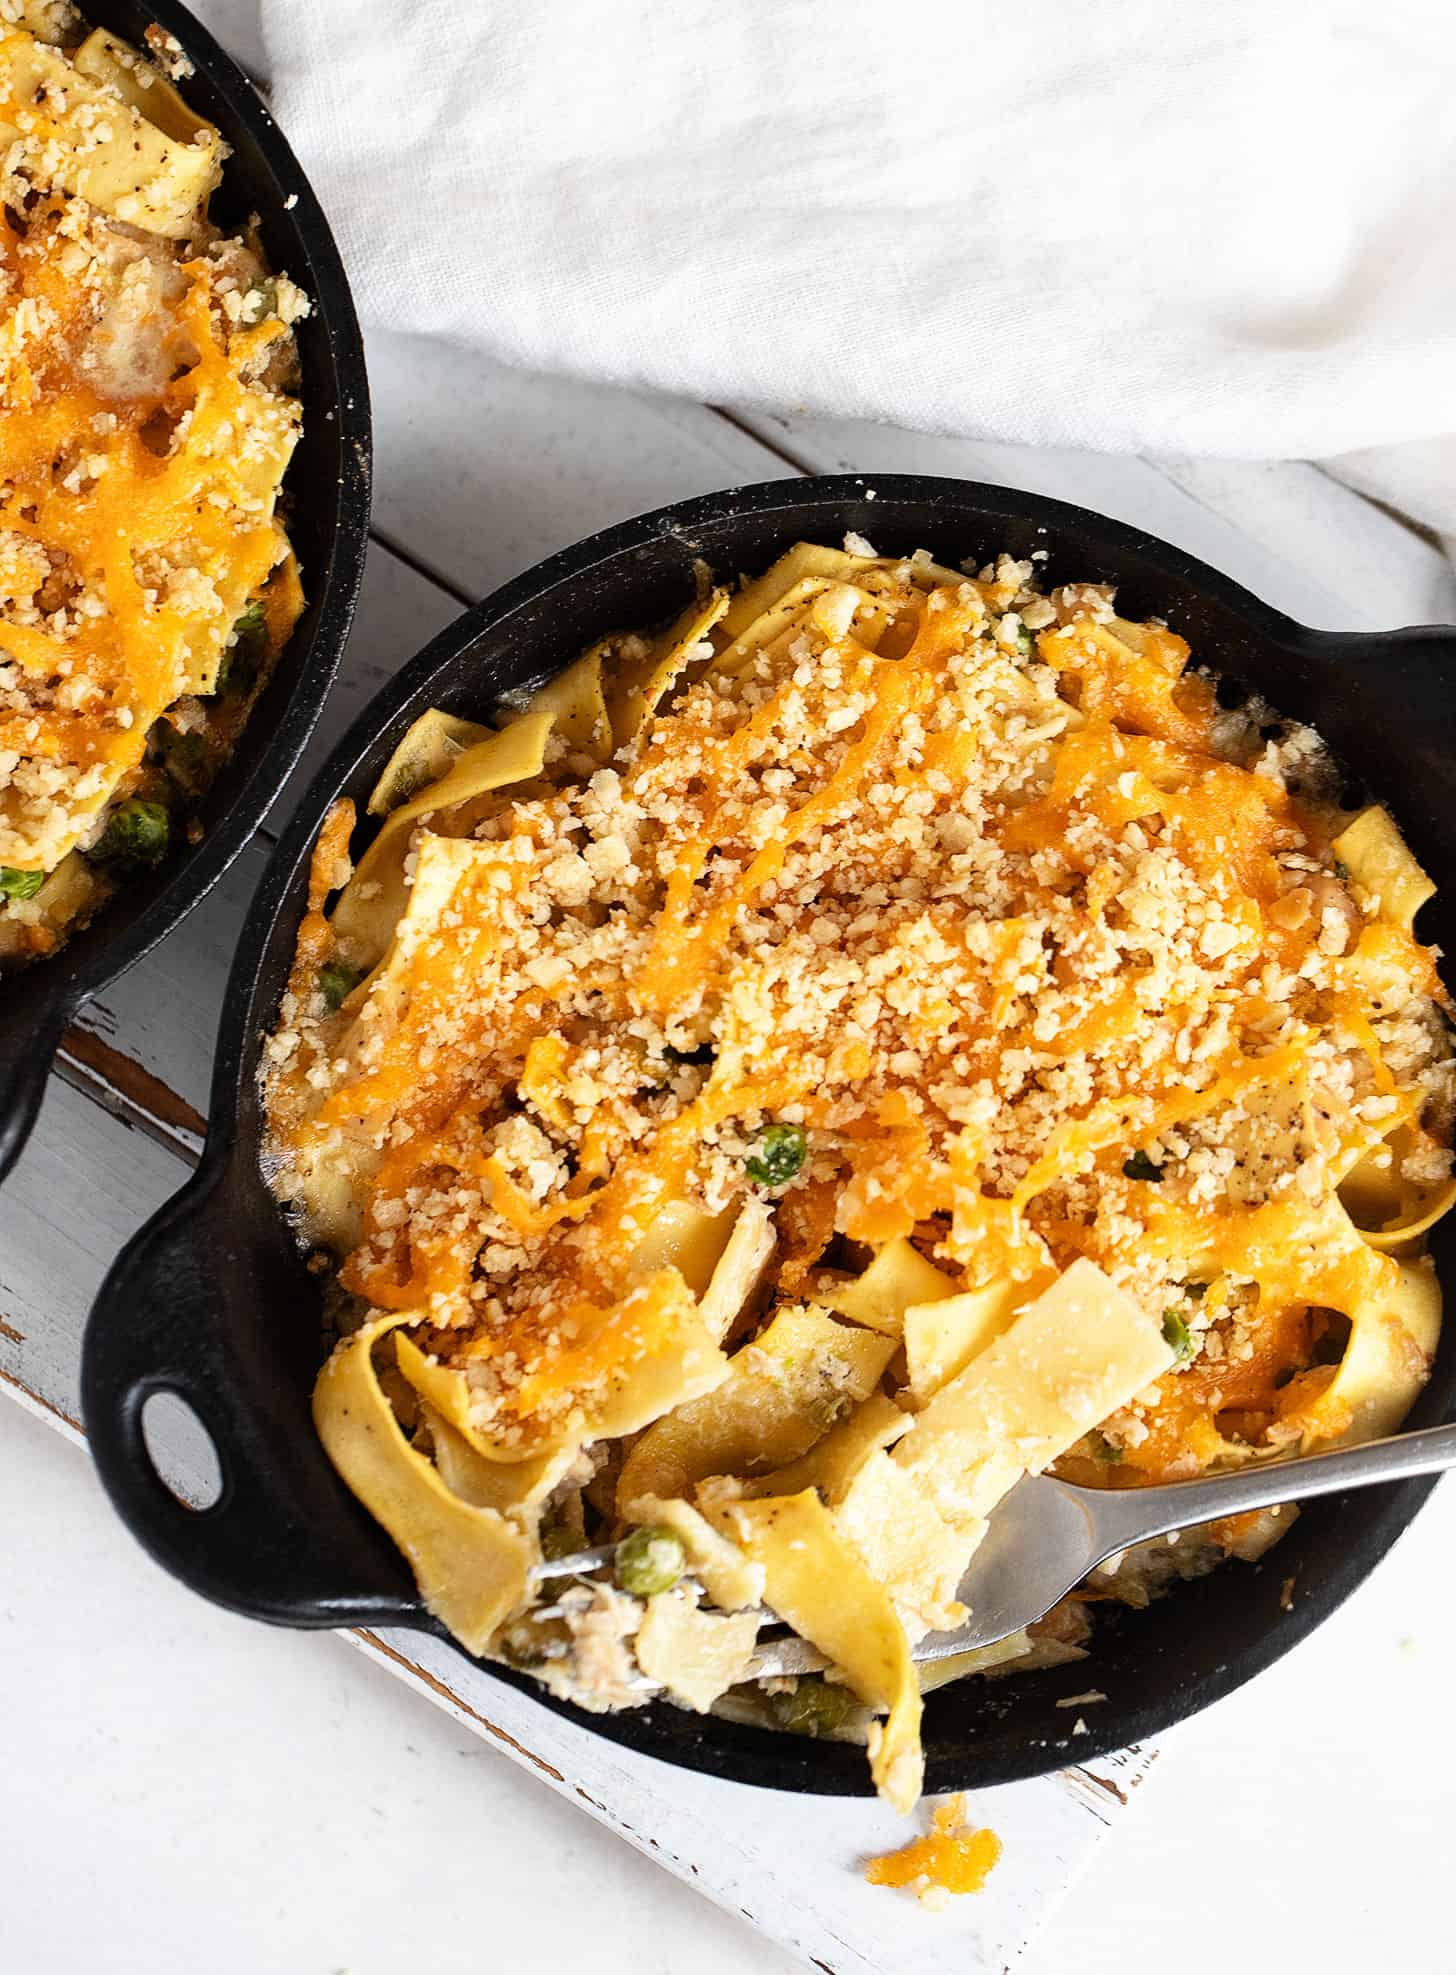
(182, 1452)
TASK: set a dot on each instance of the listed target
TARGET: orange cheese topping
(952, 1857)
(140, 455)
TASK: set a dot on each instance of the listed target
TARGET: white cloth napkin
(1162, 225)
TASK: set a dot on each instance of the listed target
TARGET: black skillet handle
(27, 1050)
(1393, 716)
(197, 1305)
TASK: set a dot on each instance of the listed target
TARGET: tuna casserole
(889, 1032)
(148, 379)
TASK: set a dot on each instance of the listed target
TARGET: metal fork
(1047, 1535)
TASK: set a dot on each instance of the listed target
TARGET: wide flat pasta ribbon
(471, 1564)
(782, 1392)
(898, 1277)
(376, 897)
(638, 690)
(425, 754)
(101, 150)
(1382, 867)
(818, 1582)
(1076, 1354)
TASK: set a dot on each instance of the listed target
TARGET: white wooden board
(480, 472)
(791, 1867)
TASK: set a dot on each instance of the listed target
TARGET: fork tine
(781, 1658)
(581, 1563)
(790, 1657)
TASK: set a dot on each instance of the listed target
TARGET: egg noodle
(887, 1033)
(147, 417)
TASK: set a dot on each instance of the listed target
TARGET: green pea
(1024, 642)
(184, 757)
(782, 1150)
(337, 982)
(815, 1707)
(19, 884)
(649, 1560)
(137, 833)
(238, 671)
(1141, 1167)
(1177, 1333)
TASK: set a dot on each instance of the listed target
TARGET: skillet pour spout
(213, 1300)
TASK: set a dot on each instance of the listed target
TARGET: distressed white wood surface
(793, 1866)
(84, 1183)
(480, 472)
(185, 1793)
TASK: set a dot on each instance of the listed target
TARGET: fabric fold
(1221, 231)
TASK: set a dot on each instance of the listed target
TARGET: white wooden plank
(1382, 571)
(83, 1185)
(184, 1793)
(1293, 536)
(399, 612)
(480, 471)
(1331, 1770)
(237, 24)
(795, 1867)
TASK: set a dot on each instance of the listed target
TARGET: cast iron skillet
(211, 1301)
(328, 491)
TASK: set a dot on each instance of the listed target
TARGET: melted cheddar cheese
(952, 1857)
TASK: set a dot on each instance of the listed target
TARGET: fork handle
(1132, 1515)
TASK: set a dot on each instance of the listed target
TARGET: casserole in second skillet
(162, 364)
